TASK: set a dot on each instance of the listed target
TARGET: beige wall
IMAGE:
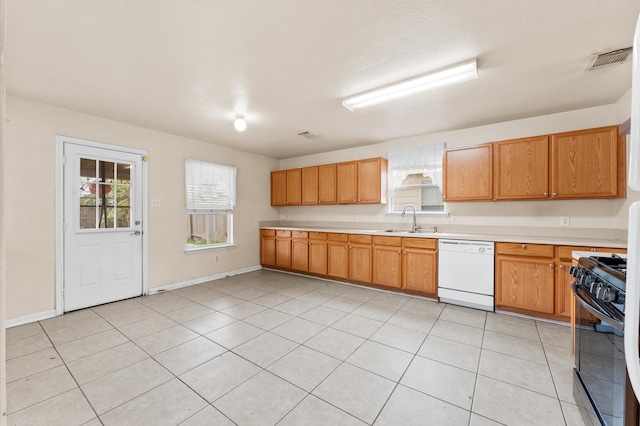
(607, 214)
(30, 201)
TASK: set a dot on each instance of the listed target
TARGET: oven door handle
(616, 323)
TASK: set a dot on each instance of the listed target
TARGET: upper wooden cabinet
(279, 188)
(286, 187)
(352, 182)
(573, 165)
(327, 184)
(521, 169)
(347, 175)
(584, 164)
(310, 185)
(372, 181)
(468, 174)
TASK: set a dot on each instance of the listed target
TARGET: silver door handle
(136, 233)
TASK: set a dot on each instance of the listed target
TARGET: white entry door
(102, 225)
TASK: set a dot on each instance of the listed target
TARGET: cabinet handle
(524, 246)
(546, 194)
(551, 265)
(561, 266)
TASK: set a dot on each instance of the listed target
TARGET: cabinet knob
(555, 194)
(399, 251)
(561, 266)
(551, 265)
(546, 194)
(405, 252)
(524, 246)
(444, 197)
(593, 249)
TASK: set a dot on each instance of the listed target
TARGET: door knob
(136, 233)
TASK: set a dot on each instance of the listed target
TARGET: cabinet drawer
(286, 234)
(338, 237)
(317, 235)
(358, 238)
(564, 252)
(387, 241)
(525, 249)
(425, 243)
(267, 232)
(299, 234)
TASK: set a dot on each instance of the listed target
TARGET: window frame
(202, 199)
(404, 159)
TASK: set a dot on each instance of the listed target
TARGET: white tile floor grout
(267, 348)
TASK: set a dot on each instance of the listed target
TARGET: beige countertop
(474, 236)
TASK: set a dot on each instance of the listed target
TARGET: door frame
(59, 194)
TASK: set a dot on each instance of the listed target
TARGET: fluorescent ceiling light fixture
(443, 77)
(240, 124)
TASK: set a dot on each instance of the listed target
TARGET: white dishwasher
(465, 273)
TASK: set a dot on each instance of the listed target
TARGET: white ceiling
(187, 67)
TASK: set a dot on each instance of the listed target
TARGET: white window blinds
(425, 159)
(210, 187)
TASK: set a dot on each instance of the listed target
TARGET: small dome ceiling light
(240, 124)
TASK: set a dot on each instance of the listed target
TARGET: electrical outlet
(316, 217)
(381, 218)
(355, 218)
(155, 202)
(453, 219)
(565, 221)
(217, 259)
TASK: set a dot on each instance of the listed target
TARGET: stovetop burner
(614, 263)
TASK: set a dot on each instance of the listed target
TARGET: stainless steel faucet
(414, 227)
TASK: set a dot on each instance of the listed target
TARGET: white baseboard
(50, 314)
(29, 318)
(203, 279)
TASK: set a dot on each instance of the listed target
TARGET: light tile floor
(268, 348)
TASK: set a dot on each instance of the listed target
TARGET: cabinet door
(294, 187)
(360, 263)
(372, 177)
(283, 253)
(468, 174)
(318, 257)
(564, 294)
(387, 266)
(310, 185)
(327, 184)
(521, 169)
(338, 259)
(300, 255)
(346, 174)
(420, 271)
(279, 188)
(525, 283)
(584, 164)
(268, 250)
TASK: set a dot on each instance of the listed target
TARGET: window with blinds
(415, 177)
(210, 199)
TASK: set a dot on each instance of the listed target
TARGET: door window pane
(105, 194)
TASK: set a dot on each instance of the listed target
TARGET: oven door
(600, 364)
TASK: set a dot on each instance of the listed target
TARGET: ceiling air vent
(601, 60)
(308, 135)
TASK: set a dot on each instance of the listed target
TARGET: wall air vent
(614, 57)
(308, 135)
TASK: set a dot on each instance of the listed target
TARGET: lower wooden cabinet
(387, 261)
(268, 247)
(419, 265)
(318, 253)
(534, 278)
(283, 249)
(300, 251)
(338, 256)
(525, 282)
